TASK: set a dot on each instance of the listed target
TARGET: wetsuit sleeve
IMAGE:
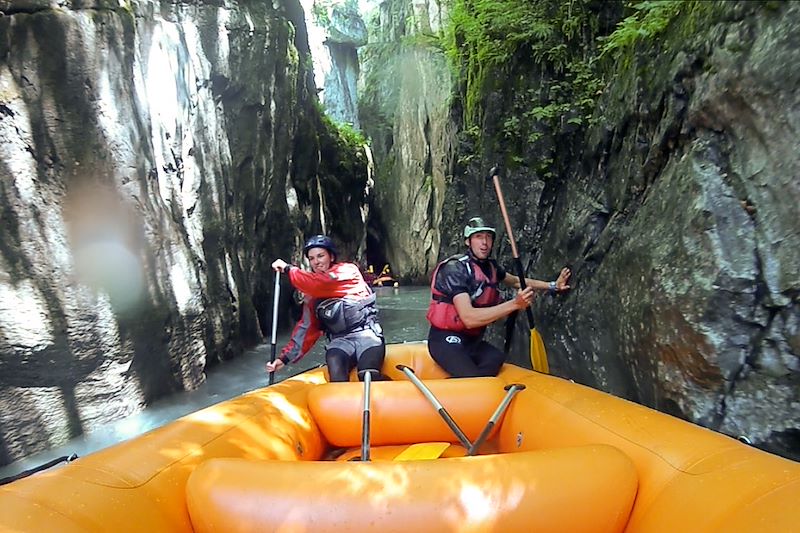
(501, 272)
(304, 335)
(452, 278)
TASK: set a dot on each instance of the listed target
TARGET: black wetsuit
(459, 353)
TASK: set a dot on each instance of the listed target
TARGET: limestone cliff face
(336, 31)
(152, 165)
(404, 105)
(679, 216)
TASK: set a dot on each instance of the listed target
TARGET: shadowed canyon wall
(677, 208)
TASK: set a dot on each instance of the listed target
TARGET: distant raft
(561, 457)
(384, 279)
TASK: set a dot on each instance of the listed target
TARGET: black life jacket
(339, 316)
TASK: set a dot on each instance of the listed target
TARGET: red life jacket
(483, 293)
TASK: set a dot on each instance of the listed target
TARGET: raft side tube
(690, 478)
(400, 414)
(139, 485)
(584, 489)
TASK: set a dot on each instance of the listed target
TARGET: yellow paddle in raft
(422, 451)
(538, 353)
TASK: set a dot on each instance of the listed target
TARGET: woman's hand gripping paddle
(277, 293)
(537, 351)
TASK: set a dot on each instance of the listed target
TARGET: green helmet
(475, 225)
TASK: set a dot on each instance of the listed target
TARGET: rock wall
(405, 109)
(152, 164)
(679, 214)
(336, 31)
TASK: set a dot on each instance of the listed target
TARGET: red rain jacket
(341, 280)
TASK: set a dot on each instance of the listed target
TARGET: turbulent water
(402, 314)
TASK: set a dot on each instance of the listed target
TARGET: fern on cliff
(648, 20)
(544, 48)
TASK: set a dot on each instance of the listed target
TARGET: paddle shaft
(45, 466)
(365, 420)
(511, 320)
(512, 390)
(276, 296)
(436, 404)
(514, 252)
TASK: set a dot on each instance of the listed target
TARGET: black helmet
(320, 241)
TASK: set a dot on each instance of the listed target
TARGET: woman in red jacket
(339, 303)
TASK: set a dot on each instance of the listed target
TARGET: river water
(402, 315)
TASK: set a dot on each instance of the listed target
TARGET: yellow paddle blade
(422, 451)
(538, 353)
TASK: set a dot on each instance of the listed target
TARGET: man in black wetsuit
(465, 299)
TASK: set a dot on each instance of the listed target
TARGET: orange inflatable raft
(562, 457)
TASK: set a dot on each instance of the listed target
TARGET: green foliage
(649, 19)
(127, 6)
(423, 40)
(539, 58)
(319, 12)
(486, 38)
(346, 137)
(346, 143)
(546, 62)
(351, 137)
